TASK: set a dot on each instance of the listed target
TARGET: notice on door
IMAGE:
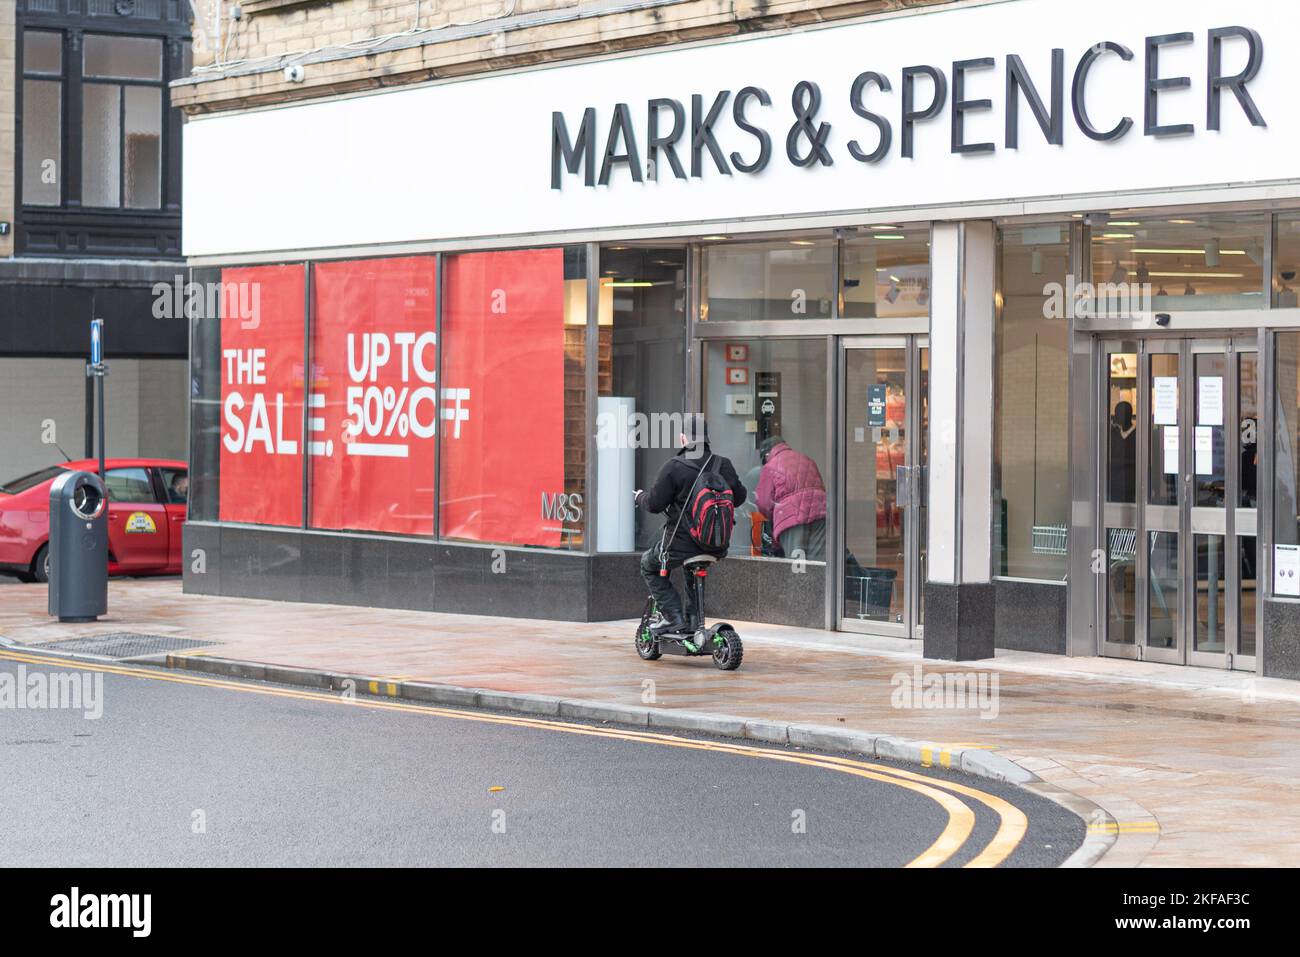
(1204, 450)
(1164, 400)
(1286, 570)
(877, 402)
(1171, 449)
(1210, 400)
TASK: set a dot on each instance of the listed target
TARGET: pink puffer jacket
(790, 490)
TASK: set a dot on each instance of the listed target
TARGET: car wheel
(41, 564)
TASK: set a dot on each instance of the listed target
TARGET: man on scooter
(670, 494)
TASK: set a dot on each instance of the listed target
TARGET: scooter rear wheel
(728, 655)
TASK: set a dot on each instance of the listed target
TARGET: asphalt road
(189, 770)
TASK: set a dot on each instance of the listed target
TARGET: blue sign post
(98, 368)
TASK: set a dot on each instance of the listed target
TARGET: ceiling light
(1197, 275)
(1167, 251)
(1123, 222)
(888, 236)
(1117, 236)
(1212, 253)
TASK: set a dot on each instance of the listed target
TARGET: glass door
(884, 434)
(1115, 560)
(1178, 487)
(1161, 448)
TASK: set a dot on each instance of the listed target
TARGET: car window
(129, 485)
(33, 480)
(176, 482)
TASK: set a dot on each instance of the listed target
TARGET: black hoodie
(672, 488)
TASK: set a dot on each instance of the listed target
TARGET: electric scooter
(720, 640)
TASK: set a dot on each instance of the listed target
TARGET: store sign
(666, 138)
(374, 400)
(979, 105)
(374, 403)
(261, 400)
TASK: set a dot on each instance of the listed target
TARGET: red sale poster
(261, 395)
(373, 402)
(503, 397)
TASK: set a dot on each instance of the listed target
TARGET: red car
(146, 509)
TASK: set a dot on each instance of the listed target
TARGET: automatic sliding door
(1177, 546)
(1211, 616)
(1116, 560)
(1162, 444)
(1243, 501)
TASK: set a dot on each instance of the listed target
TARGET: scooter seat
(700, 560)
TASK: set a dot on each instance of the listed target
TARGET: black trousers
(661, 586)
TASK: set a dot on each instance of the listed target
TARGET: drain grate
(125, 644)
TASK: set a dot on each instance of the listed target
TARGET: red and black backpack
(710, 509)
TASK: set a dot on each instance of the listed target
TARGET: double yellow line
(1012, 822)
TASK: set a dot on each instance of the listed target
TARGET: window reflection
(642, 382)
(1211, 261)
(886, 273)
(774, 279)
(1032, 400)
(1121, 445)
(766, 408)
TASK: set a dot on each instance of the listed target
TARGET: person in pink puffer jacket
(791, 494)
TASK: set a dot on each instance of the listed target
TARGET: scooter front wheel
(728, 654)
(646, 646)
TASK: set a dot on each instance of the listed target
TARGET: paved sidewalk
(1199, 767)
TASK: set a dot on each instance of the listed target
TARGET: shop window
(1286, 262)
(760, 395)
(774, 279)
(373, 401)
(639, 412)
(261, 363)
(1286, 483)
(514, 435)
(205, 390)
(1031, 398)
(886, 273)
(1188, 261)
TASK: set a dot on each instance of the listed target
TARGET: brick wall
(8, 78)
(349, 45)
